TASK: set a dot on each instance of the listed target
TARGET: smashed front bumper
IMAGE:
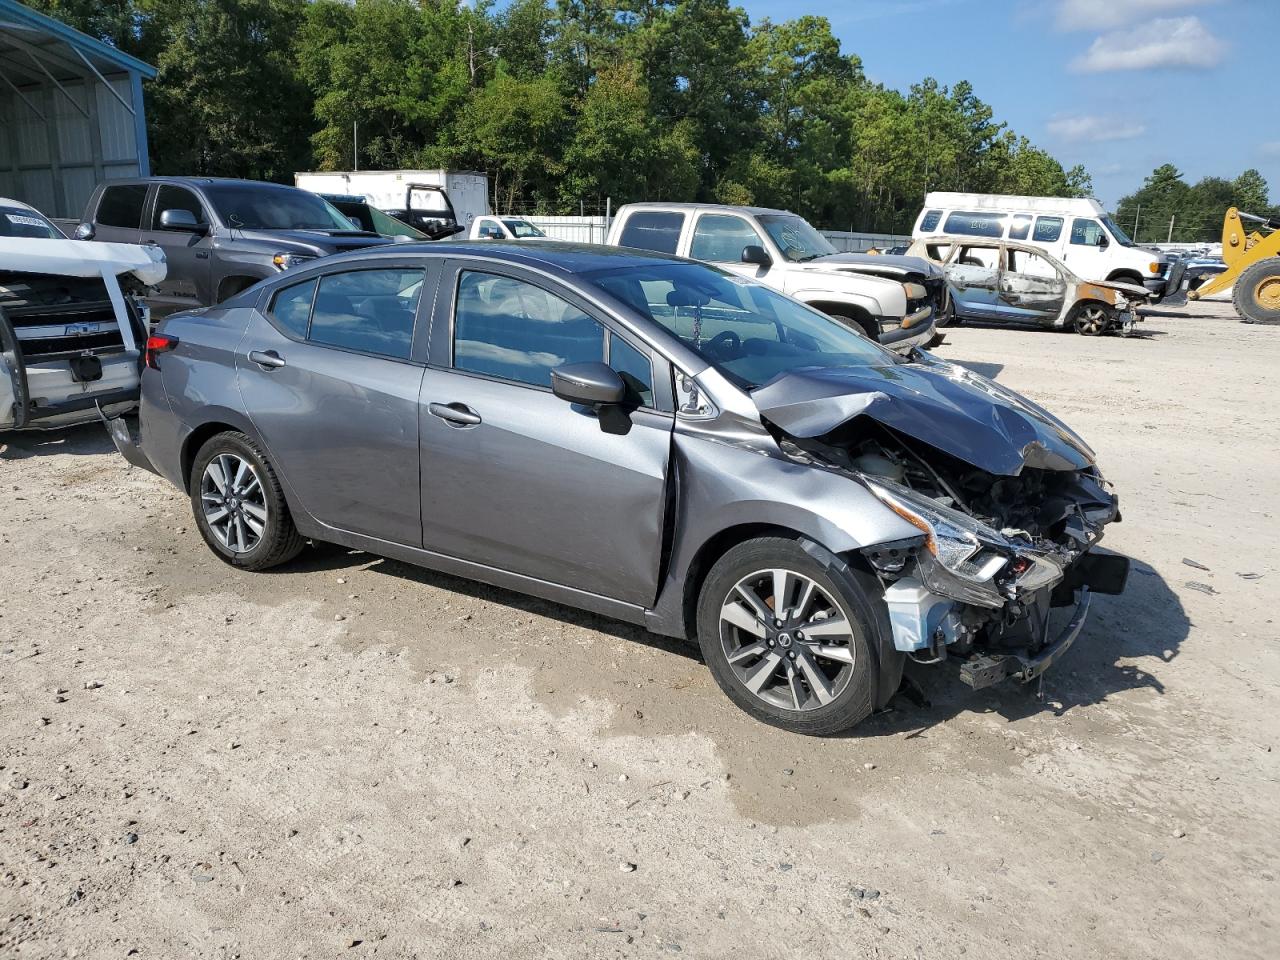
(987, 669)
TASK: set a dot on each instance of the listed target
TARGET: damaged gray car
(648, 438)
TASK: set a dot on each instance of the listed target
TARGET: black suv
(219, 236)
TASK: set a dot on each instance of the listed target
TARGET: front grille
(56, 317)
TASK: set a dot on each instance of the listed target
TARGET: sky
(1121, 86)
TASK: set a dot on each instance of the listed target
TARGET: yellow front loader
(1253, 265)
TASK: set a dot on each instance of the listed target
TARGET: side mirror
(757, 255)
(592, 383)
(181, 220)
(85, 231)
(1102, 242)
(355, 224)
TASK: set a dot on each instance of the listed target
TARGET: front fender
(722, 483)
(872, 306)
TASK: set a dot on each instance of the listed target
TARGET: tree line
(562, 103)
(1167, 208)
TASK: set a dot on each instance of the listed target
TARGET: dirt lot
(351, 756)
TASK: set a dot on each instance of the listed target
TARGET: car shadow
(85, 440)
(324, 557)
(1146, 621)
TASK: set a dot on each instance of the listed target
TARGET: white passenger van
(1078, 232)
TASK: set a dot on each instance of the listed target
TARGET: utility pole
(1135, 223)
(1171, 219)
(355, 145)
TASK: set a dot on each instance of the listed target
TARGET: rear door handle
(268, 359)
(456, 414)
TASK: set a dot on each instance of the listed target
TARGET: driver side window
(719, 238)
(1086, 233)
(169, 197)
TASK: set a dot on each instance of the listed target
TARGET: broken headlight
(961, 544)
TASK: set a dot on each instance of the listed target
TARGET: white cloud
(1107, 14)
(1178, 42)
(1087, 128)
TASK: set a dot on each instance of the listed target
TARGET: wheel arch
(220, 421)
(852, 311)
(1125, 275)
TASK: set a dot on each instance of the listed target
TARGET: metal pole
(608, 217)
(1171, 219)
(355, 145)
(1135, 223)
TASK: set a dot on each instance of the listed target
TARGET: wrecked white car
(72, 322)
(1003, 282)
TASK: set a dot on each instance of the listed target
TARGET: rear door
(973, 277)
(118, 217)
(185, 251)
(1031, 288)
(329, 371)
(514, 477)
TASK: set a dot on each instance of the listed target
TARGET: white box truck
(430, 200)
(1076, 231)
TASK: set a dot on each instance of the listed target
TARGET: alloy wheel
(786, 640)
(1092, 320)
(234, 503)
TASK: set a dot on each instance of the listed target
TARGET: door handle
(454, 414)
(202, 254)
(268, 359)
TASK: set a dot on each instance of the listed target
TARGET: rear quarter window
(122, 206)
(652, 230)
(975, 224)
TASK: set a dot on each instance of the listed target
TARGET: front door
(514, 477)
(328, 380)
(1086, 250)
(185, 251)
(973, 276)
(1031, 288)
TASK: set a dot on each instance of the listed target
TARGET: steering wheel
(726, 344)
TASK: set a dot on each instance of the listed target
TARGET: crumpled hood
(1132, 290)
(938, 403)
(883, 264)
(82, 258)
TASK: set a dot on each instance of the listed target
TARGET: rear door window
(121, 206)
(655, 230)
(976, 224)
(371, 311)
(1048, 229)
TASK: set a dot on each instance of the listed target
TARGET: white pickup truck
(781, 250)
(73, 326)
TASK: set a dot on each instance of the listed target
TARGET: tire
(859, 324)
(1256, 294)
(1092, 319)
(766, 669)
(255, 530)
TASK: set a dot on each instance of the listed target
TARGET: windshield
(24, 222)
(747, 331)
(1122, 238)
(523, 228)
(274, 208)
(797, 240)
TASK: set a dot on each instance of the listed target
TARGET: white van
(1076, 231)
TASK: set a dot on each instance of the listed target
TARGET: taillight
(157, 344)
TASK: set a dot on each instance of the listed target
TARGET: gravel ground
(353, 757)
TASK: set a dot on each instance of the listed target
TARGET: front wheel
(790, 633)
(1092, 319)
(238, 504)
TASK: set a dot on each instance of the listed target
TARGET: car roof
(556, 256)
(5, 201)
(200, 181)
(712, 207)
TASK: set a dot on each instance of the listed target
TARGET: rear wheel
(1257, 292)
(789, 632)
(239, 506)
(1092, 319)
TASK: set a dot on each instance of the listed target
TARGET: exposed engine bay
(999, 546)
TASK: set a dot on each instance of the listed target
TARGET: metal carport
(71, 112)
